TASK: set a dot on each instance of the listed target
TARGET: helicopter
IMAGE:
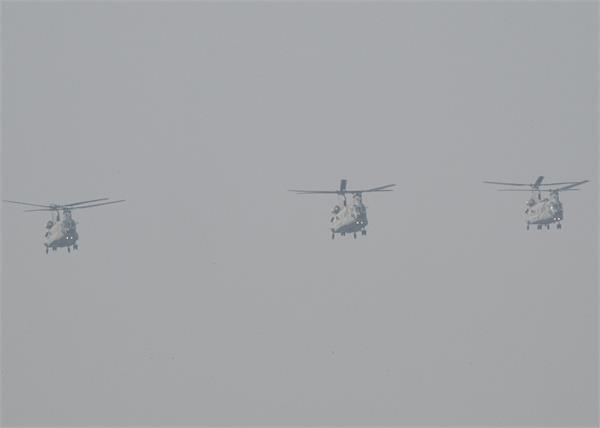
(542, 211)
(349, 217)
(62, 231)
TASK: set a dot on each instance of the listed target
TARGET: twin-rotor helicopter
(61, 231)
(348, 217)
(542, 211)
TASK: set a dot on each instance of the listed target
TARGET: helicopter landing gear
(547, 227)
(343, 233)
(558, 226)
(539, 227)
(68, 249)
(75, 247)
(46, 250)
(53, 248)
(332, 235)
(354, 235)
(363, 232)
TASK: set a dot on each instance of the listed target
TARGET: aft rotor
(343, 191)
(537, 187)
(65, 208)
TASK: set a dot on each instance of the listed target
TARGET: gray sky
(215, 297)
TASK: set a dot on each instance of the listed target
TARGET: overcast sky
(215, 297)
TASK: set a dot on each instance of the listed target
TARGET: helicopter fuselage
(350, 218)
(61, 232)
(544, 211)
(61, 236)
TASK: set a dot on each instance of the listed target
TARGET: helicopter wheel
(363, 232)
(343, 233)
(332, 235)
(559, 226)
(46, 250)
(539, 227)
(53, 248)
(75, 247)
(68, 249)
(354, 235)
(527, 226)
(548, 227)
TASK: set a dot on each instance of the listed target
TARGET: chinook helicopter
(62, 231)
(542, 211)
(349, 217)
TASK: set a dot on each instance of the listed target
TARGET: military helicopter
(62, 232)
(349, 217)
(542, 211)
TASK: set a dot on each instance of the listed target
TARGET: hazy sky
(215, 297)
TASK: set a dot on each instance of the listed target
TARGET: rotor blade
(84, 202)
(377, 189)
(557, 184)
(560, 189)
(507, 184)
(27, 203)
(97, 205)
(365, 191)
(528, 190)
(304, 192)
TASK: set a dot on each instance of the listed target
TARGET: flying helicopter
(62, 231)
(542, 211)
(349, 217)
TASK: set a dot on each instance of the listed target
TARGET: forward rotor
(69, 207)
(343, 190)
(536, 184)
(568, 186)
